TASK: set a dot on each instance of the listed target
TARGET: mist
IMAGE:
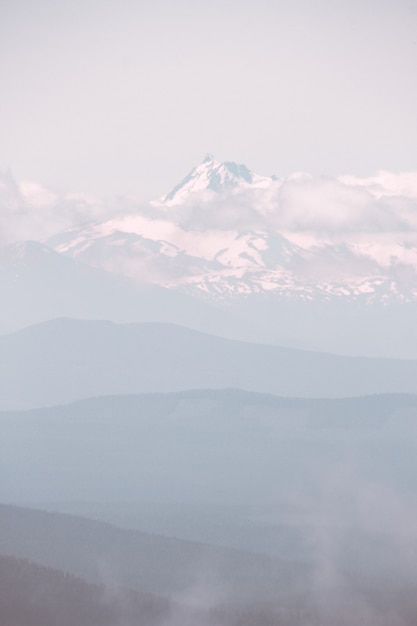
(293, 507)
(208, 364)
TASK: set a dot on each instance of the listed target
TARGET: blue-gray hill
(64, 360)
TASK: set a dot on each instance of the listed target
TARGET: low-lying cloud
(31, 211)
(300, 203)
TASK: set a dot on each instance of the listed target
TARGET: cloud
(386, 184)
(333, 207)
(302, 203)
(219, 212)
(28, 210)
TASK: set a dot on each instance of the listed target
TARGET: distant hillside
(38, 284)
(65, 360)
(226, 447)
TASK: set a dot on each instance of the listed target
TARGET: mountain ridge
(217, 176)
(224, 231)
(316, 263)
(66, 360)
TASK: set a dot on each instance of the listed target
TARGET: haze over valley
(208, 305)
(212, 416)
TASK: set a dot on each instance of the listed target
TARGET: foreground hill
(321, 497)
(65, 360)
(187, 571)
(32, 595)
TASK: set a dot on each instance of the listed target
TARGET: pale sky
(127, 96)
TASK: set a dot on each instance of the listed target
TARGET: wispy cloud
(301, 203)
(29, 210)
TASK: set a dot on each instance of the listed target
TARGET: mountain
(65, 360)
(224, 232)
(313, 263)
(212, 175)
(38, 284)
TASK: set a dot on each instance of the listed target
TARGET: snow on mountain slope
(218, 262)
(227, 263)
(224, 231)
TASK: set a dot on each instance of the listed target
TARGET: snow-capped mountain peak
(224, 232)
(215, 176)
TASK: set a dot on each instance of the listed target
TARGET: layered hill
(65, 360)
(326, 488)
(228, 448)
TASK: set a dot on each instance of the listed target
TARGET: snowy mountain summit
(215, 176)
(262, 247)
(226, 232)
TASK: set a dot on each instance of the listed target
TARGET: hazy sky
(126, 96)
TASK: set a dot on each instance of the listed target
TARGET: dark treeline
(164, 582)
(147, 562)
(31, 595)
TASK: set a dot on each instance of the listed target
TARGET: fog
(208, 366)
(169, 459)
(222, 499)
(337, 206)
